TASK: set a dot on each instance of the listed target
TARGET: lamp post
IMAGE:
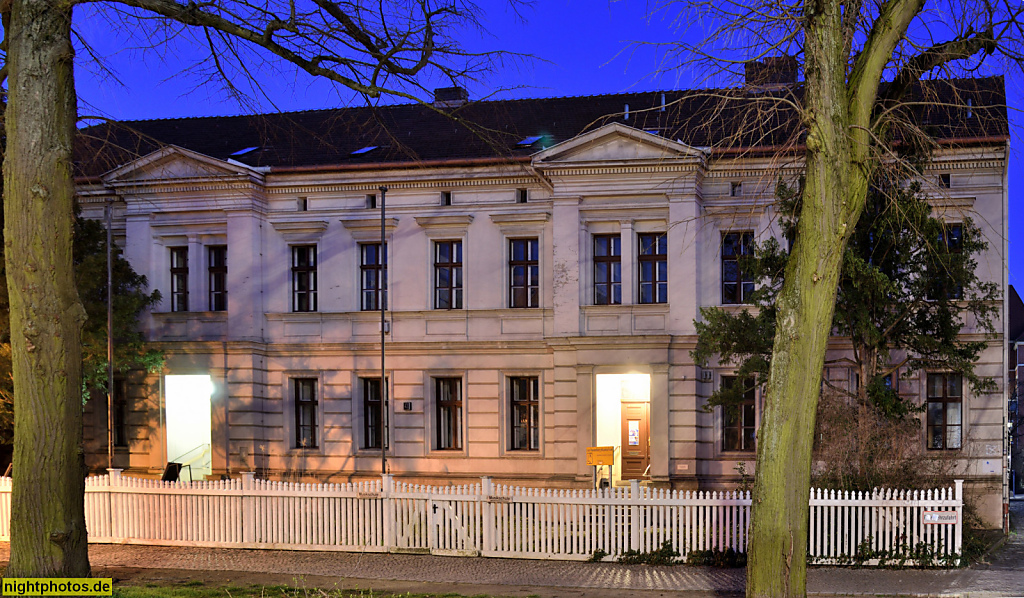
(383, 331)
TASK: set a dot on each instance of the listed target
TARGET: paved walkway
(1003, 575)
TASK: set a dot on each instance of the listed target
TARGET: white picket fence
(490, 519)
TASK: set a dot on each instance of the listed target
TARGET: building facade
(539, 300)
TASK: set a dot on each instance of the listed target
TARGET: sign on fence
(940, 517)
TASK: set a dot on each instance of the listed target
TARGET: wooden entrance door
(636, 444)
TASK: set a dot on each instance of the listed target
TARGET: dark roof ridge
(685, 92)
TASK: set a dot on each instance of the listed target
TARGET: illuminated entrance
(187, 413)
(623, 421)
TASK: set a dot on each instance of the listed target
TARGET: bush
(666, 555)
(723, 559)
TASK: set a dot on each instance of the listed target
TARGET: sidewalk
(1002, 576)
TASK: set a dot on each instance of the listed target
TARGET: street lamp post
(383, 329)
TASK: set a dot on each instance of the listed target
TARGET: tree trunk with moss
(48, 536)
(834, 194)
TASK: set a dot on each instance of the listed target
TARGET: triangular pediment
(616, 143)
(173, 163)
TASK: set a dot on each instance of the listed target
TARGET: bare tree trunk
(834, 195)
(48, 536)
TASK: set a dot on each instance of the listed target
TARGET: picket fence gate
(496, 520)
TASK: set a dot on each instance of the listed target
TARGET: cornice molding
(297, 231)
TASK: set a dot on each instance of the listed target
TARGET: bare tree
(860, 61)
(376, 48)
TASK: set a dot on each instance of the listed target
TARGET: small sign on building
(600, 455)
(939, 517)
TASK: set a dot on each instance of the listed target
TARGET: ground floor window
(945, 411)
(448, 399)
(373, 424)
(739, 427)
(305, 412)
(524, 407)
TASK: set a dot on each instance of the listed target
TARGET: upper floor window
(950, 241)
(524, 408)
(373, 414)
(373, 276)
(738, 424)
(218, 272)
(305, 412)
(303, 278)
(448, 275)
(737, 284)
(524, 273)
(945, 411)
(607, 269)
(448, 401)
(653, 265)
(179, 278)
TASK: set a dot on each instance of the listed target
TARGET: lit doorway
(623, 421)
(187, 416)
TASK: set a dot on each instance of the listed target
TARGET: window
(373, 274)
(446, 198)
(372, 414)
(738, 428)
(524, 270)
(448, 395)
(218, 270)
(303, 278)
(735, 189)
(944, 181)
(305, 412)
(945, 411)
(371, 201)
(737, 284)
(653, 262)
(179, 278)
(524, 408)
(120, 412)
(951, 237)
(522, 195)
(302, 204)
(607, 269)
(448, 275)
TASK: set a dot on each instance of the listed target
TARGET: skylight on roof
(245, 151)
(364, 150)
(530, 140)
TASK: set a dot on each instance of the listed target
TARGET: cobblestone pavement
(1003, 575)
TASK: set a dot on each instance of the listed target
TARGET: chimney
(450, 97)
(773, 72)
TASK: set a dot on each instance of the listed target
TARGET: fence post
(958, 534)
(486, 490)
(248, 507)
(387, 486)
(634, 519)
(113, 479)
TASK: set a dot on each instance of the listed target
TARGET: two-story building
(544, 262)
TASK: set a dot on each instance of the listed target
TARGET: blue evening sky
(582, 46)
